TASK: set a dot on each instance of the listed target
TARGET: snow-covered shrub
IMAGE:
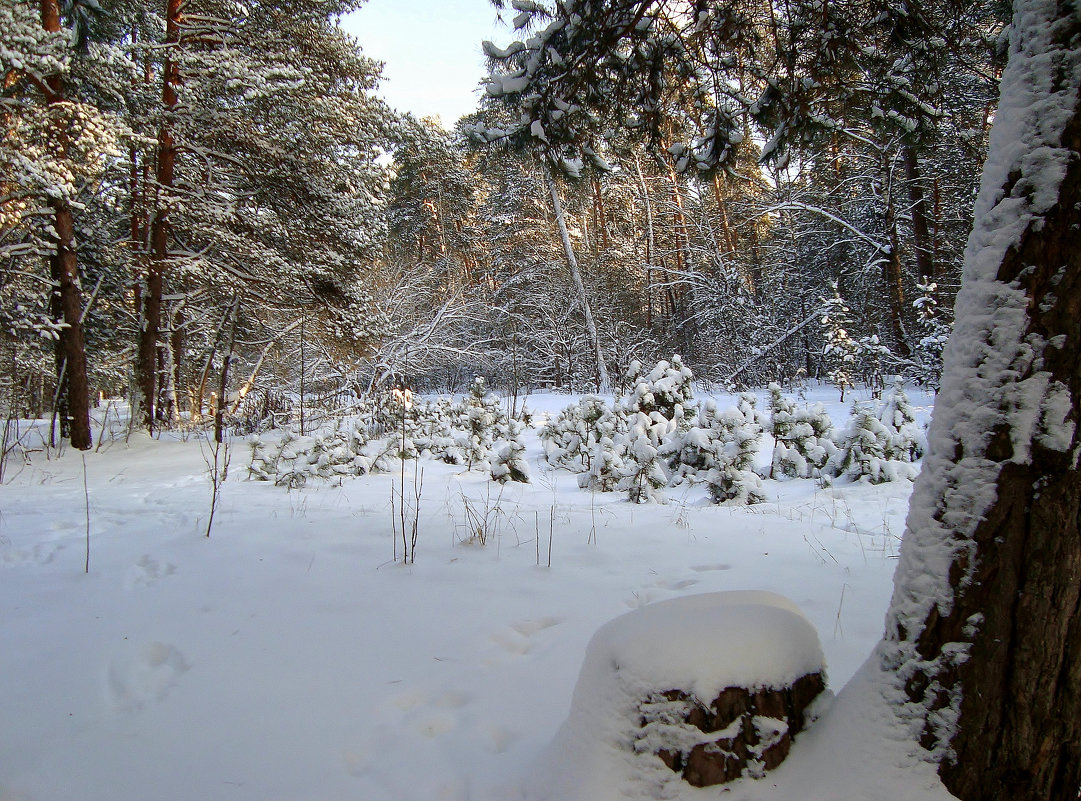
(294, 460)
(643, 474)
(509, 463)
(863, 452)
(478, 418)
(906, 440)
(402, 440)
(606, 464)
(840, 348)
(570, 439)
(782, 419)
(926, 369)
(435, 435)
(666, 389)
(871, 356)
(732, 478)
(691, 451)
(802, 437)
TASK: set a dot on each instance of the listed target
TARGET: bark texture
(752, 728)
(1015, 614)
(1020, 725)
(64, 272)
(160, 226)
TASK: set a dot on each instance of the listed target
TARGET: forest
(206, 208)
(718, 311)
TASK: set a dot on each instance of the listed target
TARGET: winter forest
(707, 302)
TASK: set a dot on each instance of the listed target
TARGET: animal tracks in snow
(41, 553)
(527, 628)
(663, 588)
(145, 677)
(710, 568)
(517, 640)
(146, 572)
(677, 584)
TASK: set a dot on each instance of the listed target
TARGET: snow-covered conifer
(479, 415)
(509, 463)
(571, 438)
(732, 477)
(643, 474)
(863, 452)
(840, 348)
(934, 331)
(667, 389)
(906, 438)
(802, 437)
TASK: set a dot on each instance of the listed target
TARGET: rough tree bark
(64, 271)
(984, 632)
(159, 226)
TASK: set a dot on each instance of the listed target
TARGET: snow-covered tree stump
(704, 689)
(742, 732)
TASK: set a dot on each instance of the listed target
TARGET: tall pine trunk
(922, 242)
(984, 632)
(159, 226)
(64, 272)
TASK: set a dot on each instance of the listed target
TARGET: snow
(992, 377)
(288, 657)
(703, 643)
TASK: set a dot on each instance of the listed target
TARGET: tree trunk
(159, 227)
(579, 286)
(223, 386)
(984, 631)
(893, 275)
(651, 247)
(921, 234)
(64, 271)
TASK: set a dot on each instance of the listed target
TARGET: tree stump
(743, 732)
(697, 690)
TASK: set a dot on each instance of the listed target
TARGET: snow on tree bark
(984, 631)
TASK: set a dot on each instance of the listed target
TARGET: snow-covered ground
(288, 657)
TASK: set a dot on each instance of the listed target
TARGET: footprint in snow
(407, 701)
(147, 677)
(527, 628)
(677, 584)
(452, 699)
(500, 738)
(438, 724)
(146, 572)
(709, 568)
(642, 597)
(512, 643)
(517, 640)
(40, 554)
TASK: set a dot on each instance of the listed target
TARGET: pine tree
(984, 628)
(644, 478)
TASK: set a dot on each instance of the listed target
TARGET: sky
(431, 50)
